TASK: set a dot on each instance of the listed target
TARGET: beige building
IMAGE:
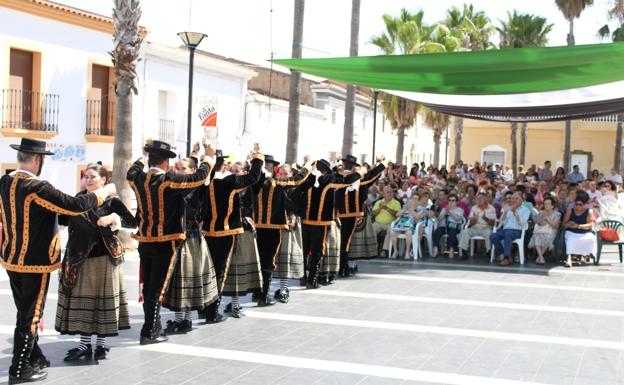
(592, 143)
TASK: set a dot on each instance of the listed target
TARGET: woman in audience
(579, 222)
(560, 176)
(545, 230)
(449, 223)
(405, 193)
(404, 224)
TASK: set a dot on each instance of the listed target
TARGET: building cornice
(180, 55)
(65, 14)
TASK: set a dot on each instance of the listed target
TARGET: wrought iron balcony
(29, 110)
(166, 131)
(100, 117)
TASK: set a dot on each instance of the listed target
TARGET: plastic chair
(473, 239)
(609, 224)
(519, 242)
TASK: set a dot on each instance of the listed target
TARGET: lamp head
(191, 39)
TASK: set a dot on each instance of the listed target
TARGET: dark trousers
(157, 265)
(29, 294)
(221, 252)
(440, 232)
(268, 241)
(347, 227)
(502, 240)
(314, 239)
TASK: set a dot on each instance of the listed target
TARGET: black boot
(156, 334)
(76, 354)
(21, 371)
(282, 295)
(212, 313)
(37, 360)
(313, 277)
(173, 327)
(265, 296)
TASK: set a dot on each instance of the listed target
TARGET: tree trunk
(292, 139)
(568, 124)
(523, 142)
(437, 138)
(122, 150)
(347, 135)
(567, 145)
(514, 148)
(127, 45)
(459, 132)
(617, 160)
(400, 145)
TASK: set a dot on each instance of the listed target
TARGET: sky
(248, 30)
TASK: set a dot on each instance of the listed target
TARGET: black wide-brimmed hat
(270, 159)
(323, 165)
(161, 147)
(31, 146)
(219, 154)
(350, 159)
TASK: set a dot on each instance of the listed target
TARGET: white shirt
(24, 172)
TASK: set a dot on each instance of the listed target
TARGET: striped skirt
(290, 258)
(98, 303)
(244, 274)
(194, 282)
(331, 258)
(363, 242)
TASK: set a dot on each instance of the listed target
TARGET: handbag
(115, 249)
(609, 235)
(542, 229)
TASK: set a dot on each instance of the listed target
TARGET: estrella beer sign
(207, 113)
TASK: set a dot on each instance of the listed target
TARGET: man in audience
(615, 177)
(514, 219)
(545, 174)
(384, 213)
(575, 176)
(480, 221)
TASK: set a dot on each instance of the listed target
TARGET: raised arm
(58, 202)
(191, 181)
(294, 181)
(240, 182)
(136, 169)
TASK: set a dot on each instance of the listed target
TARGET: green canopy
(493, 72)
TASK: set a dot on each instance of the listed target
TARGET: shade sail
(523, 84)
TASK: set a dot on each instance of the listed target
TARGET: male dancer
(160, 214)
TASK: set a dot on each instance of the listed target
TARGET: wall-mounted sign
(68, 152)
(206, 107)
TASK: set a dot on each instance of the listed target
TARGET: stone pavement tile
(261, 375)
(554, 379)
(300, 377)
(593, 381)
(510, 372)
(329, 378)
(600, 364)
(192, 367)
(380, 381)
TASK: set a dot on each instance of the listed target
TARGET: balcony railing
(28, 110)
(166, 131)
(603, 119)
(100, 117)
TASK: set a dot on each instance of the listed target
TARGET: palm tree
(405, 34)
(519, 31)
(616, 13)
(571, 10)
(439, 123)
(292, 140)
(476, 30)
(127, 44)
(347, 136)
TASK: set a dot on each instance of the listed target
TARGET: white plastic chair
(403, 236)
(519, 242)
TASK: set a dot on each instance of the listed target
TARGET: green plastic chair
(615, 225)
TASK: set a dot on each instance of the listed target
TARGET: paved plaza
(397, 322)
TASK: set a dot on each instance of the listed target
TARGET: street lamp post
(191, 40)
(375, 95)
